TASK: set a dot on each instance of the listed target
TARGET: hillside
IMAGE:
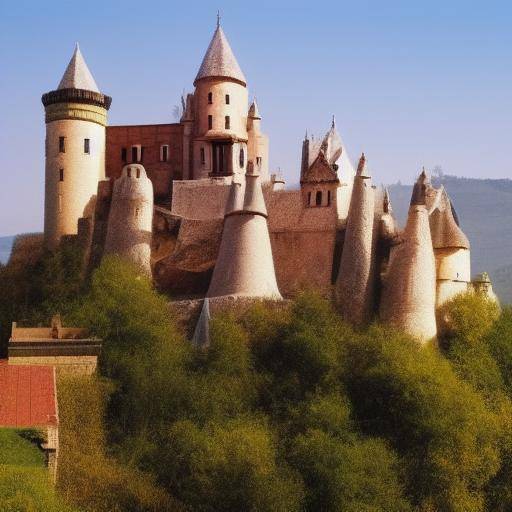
(5, 248)
(483, 207)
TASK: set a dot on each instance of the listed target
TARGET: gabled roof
(320, 171)
(219, 60)
(27, 396)
(77, 74)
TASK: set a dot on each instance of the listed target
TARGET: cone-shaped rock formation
(245, 266)
(355, 282)
(409, 295)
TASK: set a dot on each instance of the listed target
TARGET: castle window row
(137, 153)
(210, 99)
(62, 145)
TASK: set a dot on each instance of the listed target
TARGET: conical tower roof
(77, 74)
(254, 111)
(219, 60)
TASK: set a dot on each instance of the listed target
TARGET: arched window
(227, 123)
(318, 198)
(241, 157)
(210, 98)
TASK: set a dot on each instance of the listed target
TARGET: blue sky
(410, 83)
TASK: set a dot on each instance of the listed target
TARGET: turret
(76, 116)
(245, 266)
(409, 291)
(451, 249)
(220, 118)
(356, 278)
(130, 220)
(257, 143)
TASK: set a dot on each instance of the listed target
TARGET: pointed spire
(218, 18)
(201, 338)
(362, 169)
(333, 123)
(254, 201)
(219, 60)
(419, 191)
(254, 112)
(387, 201)
(77, 74)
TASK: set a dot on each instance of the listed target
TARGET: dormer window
(210, 98)
(227, 99)
(227, 123)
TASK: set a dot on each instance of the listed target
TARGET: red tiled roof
(27, 396)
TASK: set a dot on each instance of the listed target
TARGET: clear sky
(411, 83)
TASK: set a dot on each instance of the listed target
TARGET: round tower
(257, 142)
(220, 119)
(130, 220)
(76, 116)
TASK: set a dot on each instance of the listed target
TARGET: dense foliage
(289, 409)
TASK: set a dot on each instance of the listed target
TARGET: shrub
(409, 395)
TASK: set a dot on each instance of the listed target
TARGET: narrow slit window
(241, 157)
(202, 155)
(258, 161)
(135, 153)
(227, 99)
(318, 198)
(124, 156)
(61, 174)
(210, 98)
(227, 123)
(210, 122)
(87, 146)
(142, 148)
(62, 144)
(328, 198)
(309, 198)
(164, 153)
(138, 172)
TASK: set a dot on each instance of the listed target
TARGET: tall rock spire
(219, 60)
(77, 74)
(409, 294)
(245, 266)
(355, 282)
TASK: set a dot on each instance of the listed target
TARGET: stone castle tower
(130, 221)
(220, 135)
(76, 116)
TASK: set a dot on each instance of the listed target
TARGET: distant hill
(5, 248)
(484, 208)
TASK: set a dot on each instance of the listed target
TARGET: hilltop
(483, 207)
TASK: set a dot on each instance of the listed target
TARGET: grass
(17, 449)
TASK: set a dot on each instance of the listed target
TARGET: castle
(193, 203)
